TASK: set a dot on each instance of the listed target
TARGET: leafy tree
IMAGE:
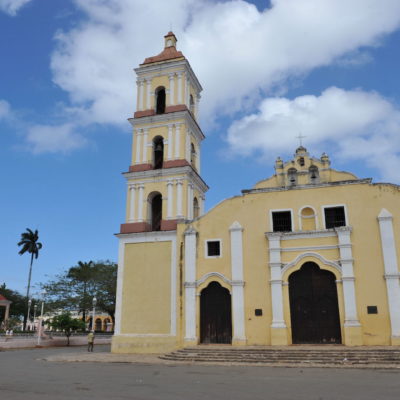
(29, 243)
(65, 323)
(82, 275)
(76, 287)
(17, 307)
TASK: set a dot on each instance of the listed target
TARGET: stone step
(336, 356)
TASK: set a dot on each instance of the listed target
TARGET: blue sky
(327, 69)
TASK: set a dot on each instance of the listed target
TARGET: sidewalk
(153, 359)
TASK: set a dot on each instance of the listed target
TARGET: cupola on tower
(164, 183)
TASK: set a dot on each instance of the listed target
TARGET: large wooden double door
(215, 314)
(314, 306)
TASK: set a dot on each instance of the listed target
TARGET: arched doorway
(215, 314)
(314, 306)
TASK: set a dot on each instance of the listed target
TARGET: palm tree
(29, 243)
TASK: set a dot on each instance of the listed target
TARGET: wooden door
(215, 314)
(314, 306)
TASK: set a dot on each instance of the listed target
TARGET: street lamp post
(34, 316)
(94, 312)
(29, 310)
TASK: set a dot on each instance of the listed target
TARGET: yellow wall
(147, 285)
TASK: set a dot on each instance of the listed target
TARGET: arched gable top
(206, 279)
(316, 258)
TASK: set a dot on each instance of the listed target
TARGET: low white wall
(24, 342)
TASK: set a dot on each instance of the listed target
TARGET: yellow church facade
(310, 255)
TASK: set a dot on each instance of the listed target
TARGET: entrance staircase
(319, 356)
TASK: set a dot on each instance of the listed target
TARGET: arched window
(301, 161)
(314, 174)
(158, 152)
(292, 176)
(160, 100)
(308, 222)
(155, 210)
(196, 208)
(193, 155)
(191, 104)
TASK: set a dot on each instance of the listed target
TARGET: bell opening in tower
(160, 100)
(158, 150)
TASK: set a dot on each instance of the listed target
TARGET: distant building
(309, 255)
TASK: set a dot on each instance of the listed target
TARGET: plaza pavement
(29, 374)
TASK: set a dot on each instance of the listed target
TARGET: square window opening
(334, 217)
(213, 248)
(282, 221)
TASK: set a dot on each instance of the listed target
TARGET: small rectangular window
(213, 248)
(282, 221)
(334, 217)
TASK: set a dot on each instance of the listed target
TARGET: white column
(187, 92)
(349, 293)
(190, 201)
(179, 87)
(392, 274)
(190, 284)
(187, 146)
(148, 102)
(170, 198)
(170, 142)
(171, 89)
(145, 134)
(138, 145)
(140, 203)
(140, 84)
(237, 281)
(177, 140)
(179, 184)
(132, 203)
(275, 265)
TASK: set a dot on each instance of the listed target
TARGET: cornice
(166, 119)
(308, 186)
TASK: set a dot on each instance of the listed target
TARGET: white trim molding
(236, 236)
(190, 290)
(323, 260)
(392, 274)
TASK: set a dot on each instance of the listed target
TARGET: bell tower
(164, 182)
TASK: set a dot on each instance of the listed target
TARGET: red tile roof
(2, 297)
(169, 53)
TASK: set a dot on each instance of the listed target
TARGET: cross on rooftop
(300, 137)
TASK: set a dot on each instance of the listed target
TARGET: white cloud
(5, 110)
(54, 139)
(12, 7)
(235, 50)
(354, 125)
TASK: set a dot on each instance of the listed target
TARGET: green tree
(76, 287)
(17, 307)
(81, 277)
(65, 323)
(29, 243)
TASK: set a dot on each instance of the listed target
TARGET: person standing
(90, 341)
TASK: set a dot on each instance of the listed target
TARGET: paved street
(25, 375)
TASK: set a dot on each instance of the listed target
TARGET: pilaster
(392, 274)
(278, 326)
(190, 285)
(236, 233)
(352, 326)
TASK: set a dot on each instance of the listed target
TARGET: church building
(309, 255)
